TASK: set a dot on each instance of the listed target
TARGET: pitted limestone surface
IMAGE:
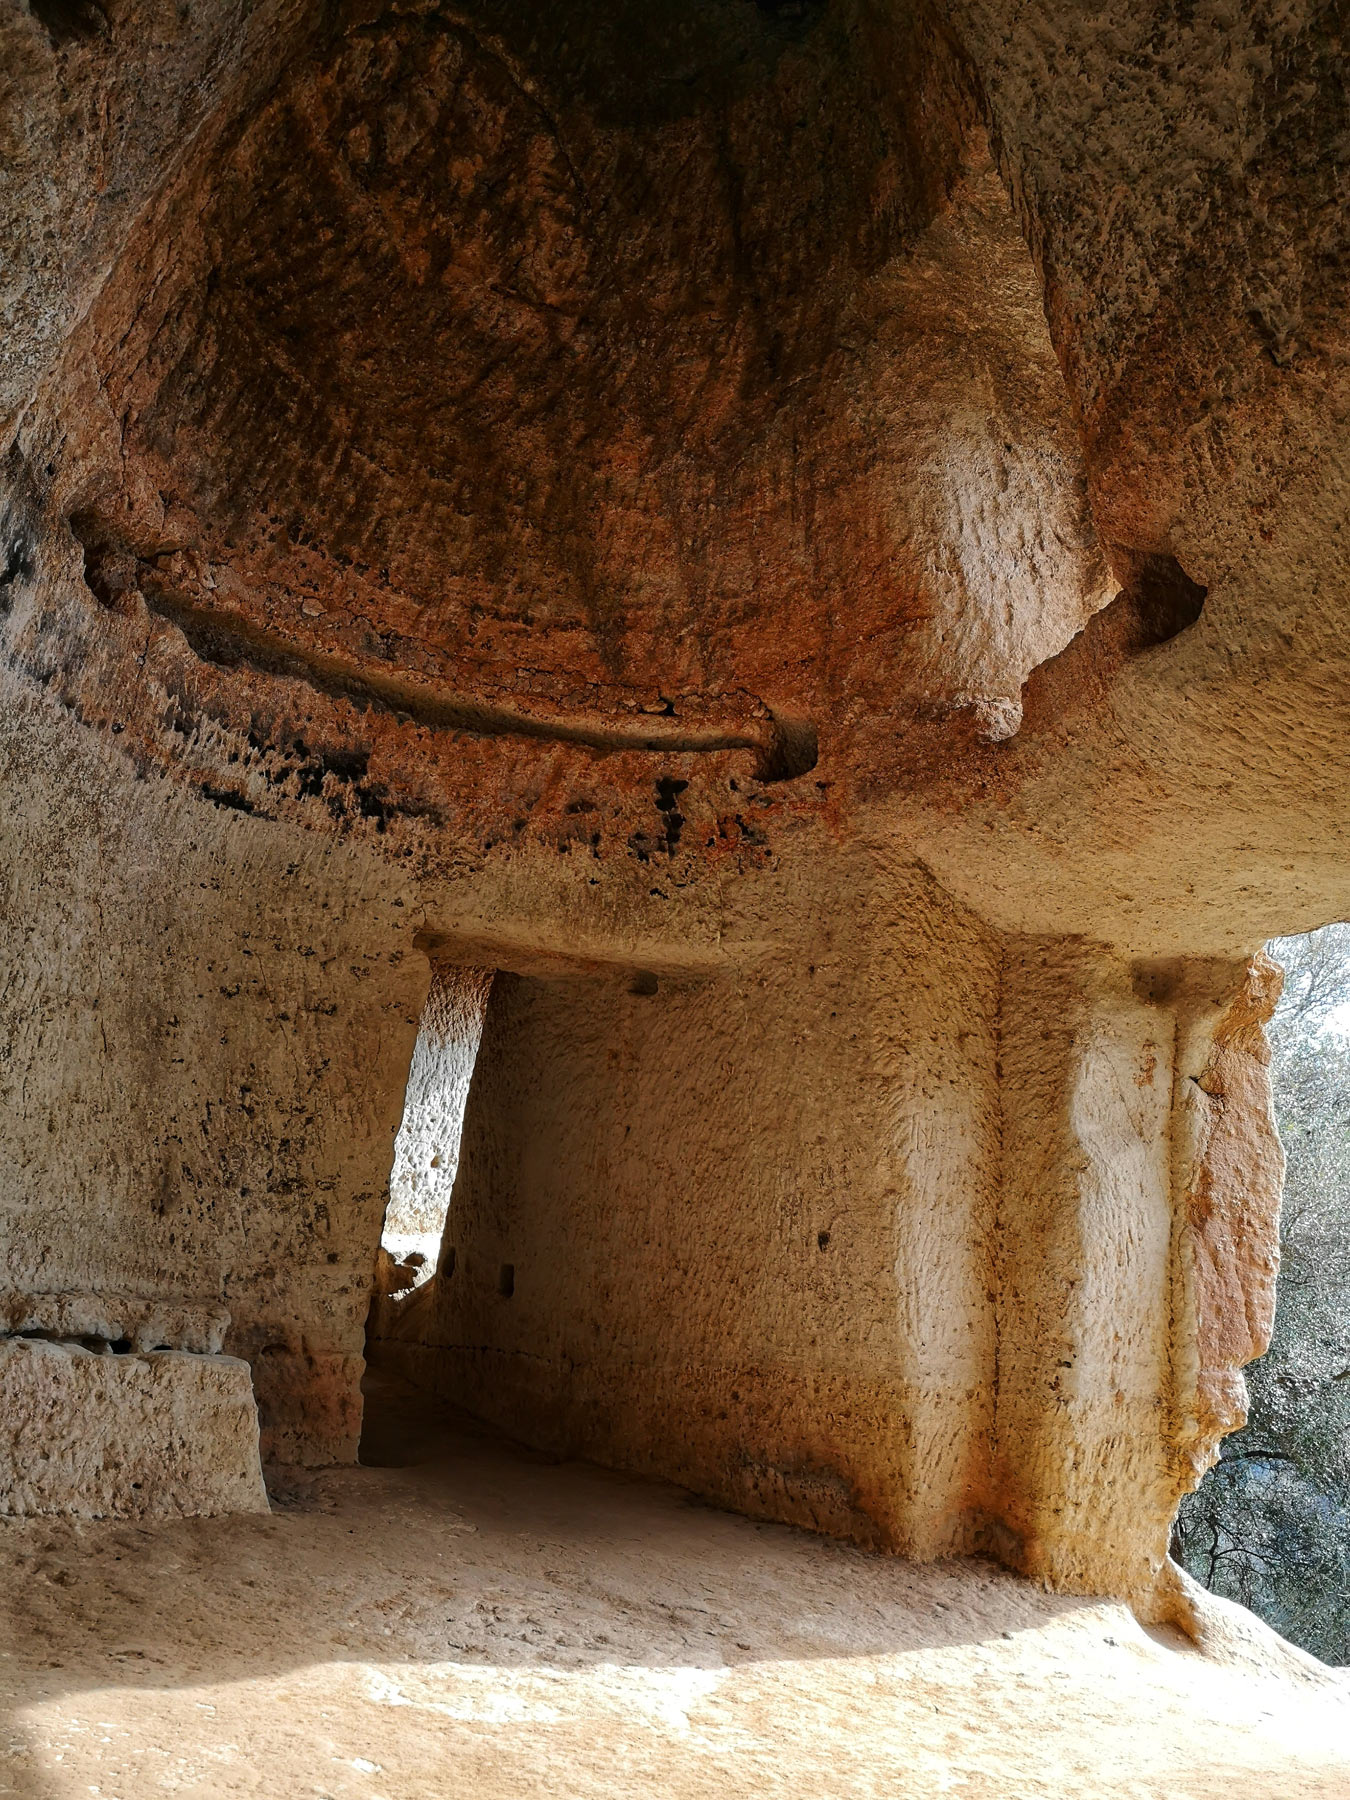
(129, 1319)
(164, 1434)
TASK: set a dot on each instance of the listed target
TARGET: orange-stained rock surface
(1232, 1205)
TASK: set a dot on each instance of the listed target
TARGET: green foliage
(1270, 1524)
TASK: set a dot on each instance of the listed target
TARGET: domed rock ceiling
(514, 420)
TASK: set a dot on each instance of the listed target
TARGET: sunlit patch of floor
(485, 1624)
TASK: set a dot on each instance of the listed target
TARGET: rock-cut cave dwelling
(702, 637)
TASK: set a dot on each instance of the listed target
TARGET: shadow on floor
(467, 1590)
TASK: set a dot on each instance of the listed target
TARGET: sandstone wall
(733, 1229)
(203, 1049)
(1228, 1166)
(1082, 1266)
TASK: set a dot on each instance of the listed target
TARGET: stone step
(159, 1434)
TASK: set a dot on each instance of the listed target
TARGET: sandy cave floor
(480, 1622)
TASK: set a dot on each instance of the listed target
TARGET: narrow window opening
(426, 1150)
(412, 1249)
(1269, 1526)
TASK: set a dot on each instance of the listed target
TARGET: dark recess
(793, 751)
(791, 12)
(668, 791)
(16, 568)
(1157, 602)
(66, 21)
(1162, 598)
(110, 570)
(228, 798)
